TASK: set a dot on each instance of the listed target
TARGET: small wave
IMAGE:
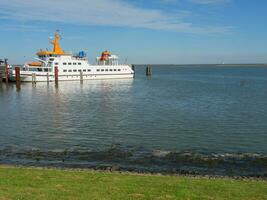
(153, 161)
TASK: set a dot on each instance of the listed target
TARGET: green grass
(36, 183)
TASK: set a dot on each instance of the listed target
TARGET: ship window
(84, 70)
(115, 70)
(106, 70)
(52, 59)
(69, 63)
(119, 70)
(102, 70)
(70, 70)
(110, 70)
(64, 63)
(79, 63)
(89, 70)
(98, 70)
(64, 70)
(56, 63)
(79, 70)
(75, 70)
(74, 63)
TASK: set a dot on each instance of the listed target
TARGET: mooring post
(17, 70)
(148, 71)
(47, 77)
(1, 73)
(81, 76)
(6, 70)
(133, 69)
(56, 75)
(33, 78)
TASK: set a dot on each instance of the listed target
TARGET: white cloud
(210, 1)
(198, 1)
(22, 28)
(115, 13)
(169, 1)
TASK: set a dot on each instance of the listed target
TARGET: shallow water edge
(118, 158)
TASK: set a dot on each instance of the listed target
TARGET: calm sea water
(204, 110)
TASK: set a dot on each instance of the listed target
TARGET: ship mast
(57, 48)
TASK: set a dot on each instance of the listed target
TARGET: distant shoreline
(205, 65)
(192, 65)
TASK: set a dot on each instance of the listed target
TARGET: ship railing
(97, 64)
(79, 58)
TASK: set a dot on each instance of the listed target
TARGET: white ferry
(69, 67)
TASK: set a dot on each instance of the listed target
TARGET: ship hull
(51, 78)
(71, 73)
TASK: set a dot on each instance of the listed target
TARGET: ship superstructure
(72, 66)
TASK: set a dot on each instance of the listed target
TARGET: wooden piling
(56, 75)
(47, 77)
(33, 78)
(81, 76)
(6, 70)
(148, 71)
(133, 68)
(17, 70)
(1, 73)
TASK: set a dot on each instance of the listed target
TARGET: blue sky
(140, 31)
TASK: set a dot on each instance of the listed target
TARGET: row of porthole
(102, 70)
(70, 63)
(75, 70)
(78, 76)
(89, 70)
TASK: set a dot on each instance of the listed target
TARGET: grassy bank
(35, 183)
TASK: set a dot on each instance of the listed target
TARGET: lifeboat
(35, 64)
(105, 55)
